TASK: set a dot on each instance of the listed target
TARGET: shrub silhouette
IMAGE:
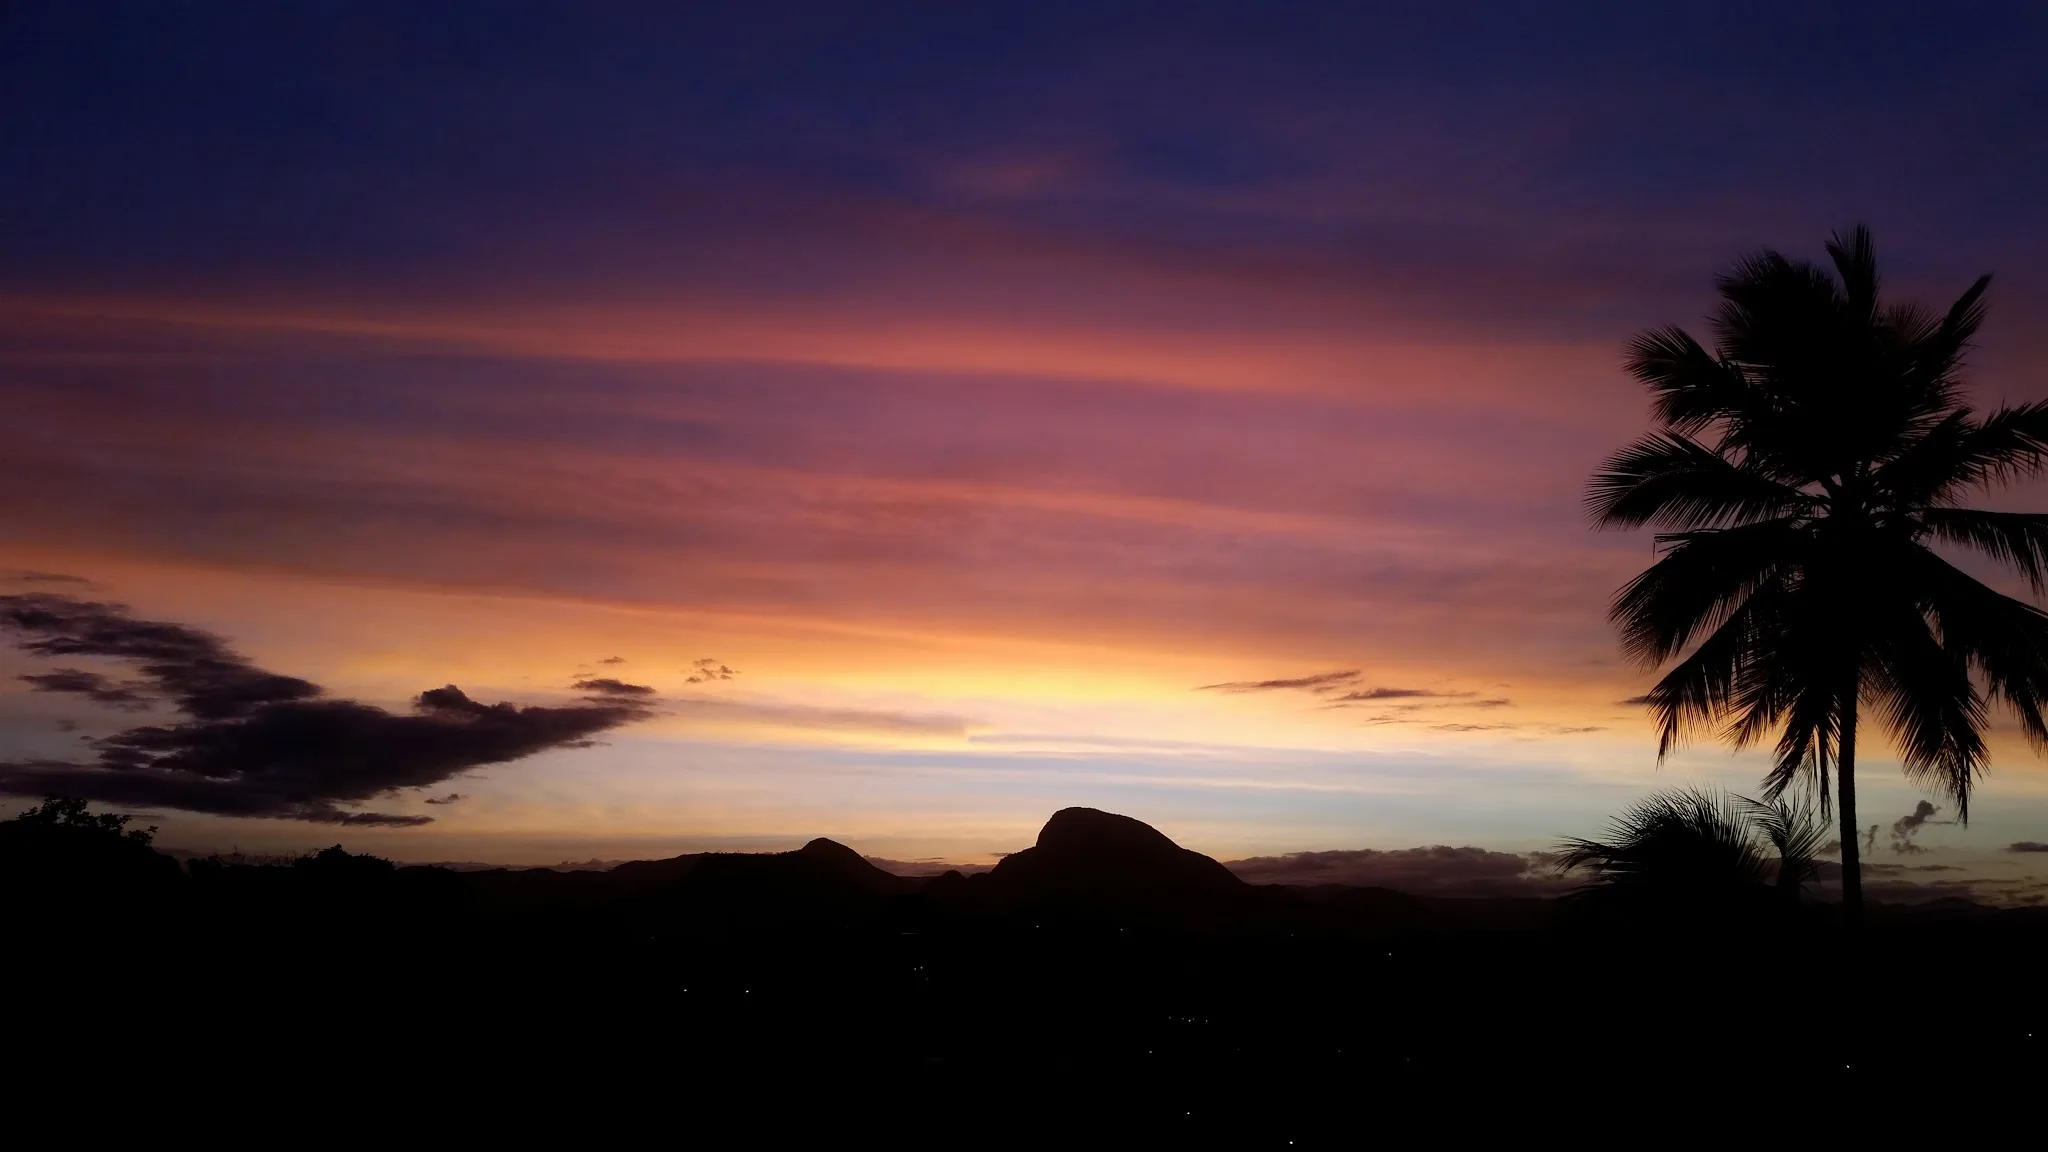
(65, 867)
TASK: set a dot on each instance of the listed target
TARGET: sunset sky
(1010, 404)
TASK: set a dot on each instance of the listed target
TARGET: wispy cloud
(1401, 694)
(1320, 680)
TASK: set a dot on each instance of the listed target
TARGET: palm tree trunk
(1852, 856)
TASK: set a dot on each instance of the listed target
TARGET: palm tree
(1801, 473)
(1692, 842)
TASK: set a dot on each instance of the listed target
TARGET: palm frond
(1937, 351)
(1855, 258)
(1692, 387)
(1794, 833)
(2010, 443)
(1924, 463)
(1809, 743)
(2004, 640)
(1698, 583)
(1702, 687)
(1674, 481)
(1924, 693)
(2017, 539)
(1959, 453)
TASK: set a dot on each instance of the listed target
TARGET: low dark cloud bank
(255, 743)
(1436, 871)
(924, 868)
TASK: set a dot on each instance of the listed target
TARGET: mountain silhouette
(836, 858)
(1089, 856)
(823, 861)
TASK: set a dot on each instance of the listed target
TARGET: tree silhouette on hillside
(1803, 470)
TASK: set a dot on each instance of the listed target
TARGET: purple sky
(976, 386)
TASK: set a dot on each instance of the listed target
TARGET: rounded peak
(824, 847)
(1093, 830)
(1092, 854)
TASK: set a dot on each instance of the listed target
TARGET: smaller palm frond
(1795, 833)
(1688, 838)
(1701, 842)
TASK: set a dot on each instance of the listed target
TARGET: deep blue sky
(362, 142)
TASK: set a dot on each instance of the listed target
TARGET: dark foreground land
(1104, 974)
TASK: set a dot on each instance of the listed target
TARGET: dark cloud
(190, 670)
(451, 798)
(1634, 700)
(254, 743)
(1471, 727)
(1435, 871)
(2027, 846)
(608, 687)
(92, 686)
(1322, 680)
(1909, 825)
(708, 669)
(613, 660)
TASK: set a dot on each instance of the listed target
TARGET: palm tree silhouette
(1801, 470)
(1698, 843)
